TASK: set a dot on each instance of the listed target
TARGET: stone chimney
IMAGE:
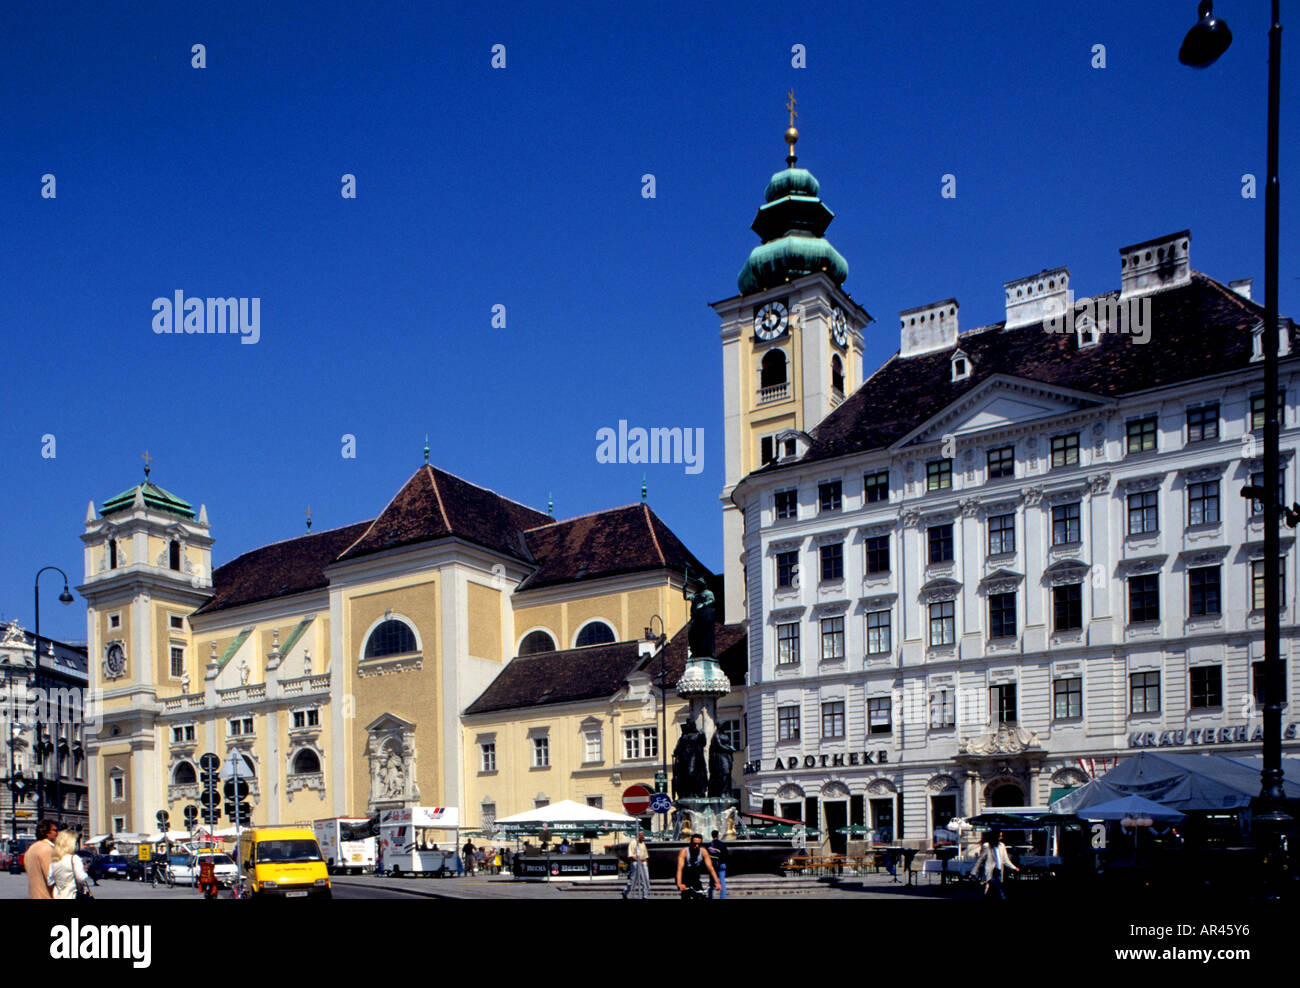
(1242, 286)
(1153, 264)
(927, 328)
(1035, 298)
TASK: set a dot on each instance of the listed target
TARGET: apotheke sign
(841, 760)
(1201, 736)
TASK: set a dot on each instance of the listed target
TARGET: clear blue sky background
(523, 187)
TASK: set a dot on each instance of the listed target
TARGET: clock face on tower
(114, 660)
(770, 321)
(839, 326)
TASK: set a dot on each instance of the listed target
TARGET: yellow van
(283, 861)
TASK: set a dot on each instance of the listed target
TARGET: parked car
(187, 872)
(110, 866)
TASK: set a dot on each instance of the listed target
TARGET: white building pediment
(998, 403)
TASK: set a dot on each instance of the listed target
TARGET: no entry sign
(636, 800)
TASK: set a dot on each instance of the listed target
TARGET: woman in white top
(993, 857)
(66, 872)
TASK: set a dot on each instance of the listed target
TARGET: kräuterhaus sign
(1207, 735)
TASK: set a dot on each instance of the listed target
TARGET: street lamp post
(43, 746)
(1205, 42)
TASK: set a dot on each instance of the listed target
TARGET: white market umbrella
(566, 811)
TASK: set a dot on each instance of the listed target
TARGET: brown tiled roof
(435, 504)
(559, 677)
(620, 540)
(1198, 329)
(729, 641)
(279, 569)
(599, 671)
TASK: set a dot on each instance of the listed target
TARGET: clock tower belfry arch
(791, 342)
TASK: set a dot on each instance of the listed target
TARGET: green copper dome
(792, 181)
(154, 497)
(791, 223)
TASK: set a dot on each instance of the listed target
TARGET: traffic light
(240, 814)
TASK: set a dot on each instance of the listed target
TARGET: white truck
(346, 844)
(419, 840)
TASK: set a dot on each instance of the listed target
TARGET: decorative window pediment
(939, 589)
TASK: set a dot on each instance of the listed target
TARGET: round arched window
(306, 762)
(184, 775)
(392, 637)
(772, 369)
(595, 633)
(536, 641)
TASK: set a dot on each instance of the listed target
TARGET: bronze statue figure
(700, 633)
(720, 758)
(690, 773)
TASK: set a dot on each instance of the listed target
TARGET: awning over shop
(1188, 783)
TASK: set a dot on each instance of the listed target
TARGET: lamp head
(65, 597)
(1207, 40)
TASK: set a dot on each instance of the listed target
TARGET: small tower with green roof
(791, 340)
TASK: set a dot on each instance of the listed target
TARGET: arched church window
(837, 373)
(392, 637)
(595, 633)
(306, 762)
(772, 369)
(183, 774)
(536, 641)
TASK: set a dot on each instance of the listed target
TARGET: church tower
(791, 343)
(148, 565)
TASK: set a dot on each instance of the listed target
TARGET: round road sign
(636, 800)
(209, 762)
(660, 802)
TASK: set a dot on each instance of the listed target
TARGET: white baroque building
(1012, 554)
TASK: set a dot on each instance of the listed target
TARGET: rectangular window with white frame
(787, 644)
(787, 504)
(879, 638)
(943, 709)
(177, 661)
(1067, 698)
(487, 756)
(640, 742)
(880, 715)
(1002, 534)
(593, 750)
(541, 751)
(787, 723)
(833, 720)
(1203, 503)
(306, 718)
(832, 639)
(942, 622)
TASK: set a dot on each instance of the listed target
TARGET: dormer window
(960, 366)
(1086, 331)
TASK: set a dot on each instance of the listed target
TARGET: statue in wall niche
(690, 771)
(700, 633)
(394, 777)
(244, 672)
(306, 662)
(185, 682)
(720, 758)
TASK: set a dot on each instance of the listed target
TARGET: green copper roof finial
(147, 460)
(550, 505)
(791, 135)
(643, 491)
(426, 449)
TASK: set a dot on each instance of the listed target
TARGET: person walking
(991, 861)
(718, 852)
(67, 875)
(692, 862)
(37, 861)
(638, 868)
(467, 856)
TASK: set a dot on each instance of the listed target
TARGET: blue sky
(522, 187)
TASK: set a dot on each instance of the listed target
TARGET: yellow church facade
(339, 665)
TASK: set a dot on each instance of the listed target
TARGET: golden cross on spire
(147, 461)
(791, 135)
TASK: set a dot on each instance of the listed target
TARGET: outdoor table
(948, 869)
